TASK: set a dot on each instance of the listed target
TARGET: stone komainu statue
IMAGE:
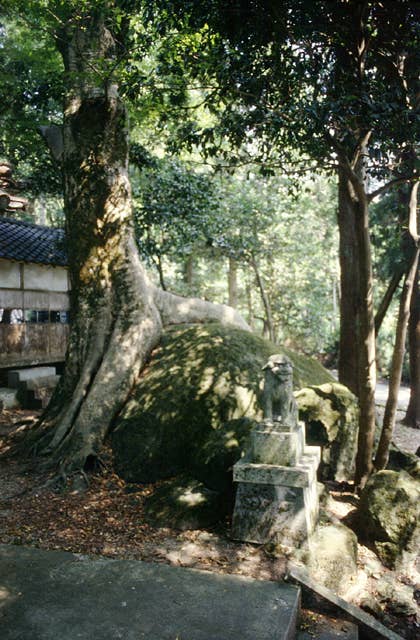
(278, 402)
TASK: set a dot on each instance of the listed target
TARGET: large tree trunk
(357, 359)
(115, 322)
(366, 347)
(116, 313)
(349, 285)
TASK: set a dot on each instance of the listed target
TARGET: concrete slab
(51, 595)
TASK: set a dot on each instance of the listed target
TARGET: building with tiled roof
(34, 297)
(27, 242)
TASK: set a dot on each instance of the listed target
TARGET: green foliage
(30, 95)
(389, 220)
(175, 209)
(291, 237)
(307, 75)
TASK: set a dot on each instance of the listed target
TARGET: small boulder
(388, 517)
(331, 415)
(330, 556)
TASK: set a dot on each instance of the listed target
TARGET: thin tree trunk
(387, 299)
(233, 282)
(189, 271)
(382, 453)
(250, 302)
(366, 347)
(265, 300)
(412, 416)
(159, 266)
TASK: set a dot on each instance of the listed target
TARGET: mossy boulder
(196, 403)
(404, 461)
(388, 516)
(331, 415)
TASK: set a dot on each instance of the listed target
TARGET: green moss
(201, 379)
(331, 415)
(388, 514)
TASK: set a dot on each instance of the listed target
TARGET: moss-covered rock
(331, 416)
(196, 402)
(388, 515)
(404, 461)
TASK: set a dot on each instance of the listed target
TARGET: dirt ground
(108, 519)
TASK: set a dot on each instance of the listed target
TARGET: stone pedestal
(277, 496)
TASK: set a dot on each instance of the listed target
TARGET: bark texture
(366, 348)
(115, 322)
(412, 417)
(349, 285)
(116, 312)
(357, 360)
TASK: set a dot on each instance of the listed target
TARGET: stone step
(15, 376)
(28, 399)
(43, 382)
(104, 599)
(36, 393)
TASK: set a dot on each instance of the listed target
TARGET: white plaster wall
(45, 300)
(45, 278)
(11, 299)
(9, 274)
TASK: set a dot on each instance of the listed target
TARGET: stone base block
(276, 503)
(273, 443)
(273, 513)
(301, 475)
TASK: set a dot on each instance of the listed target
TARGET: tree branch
(389, 185)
